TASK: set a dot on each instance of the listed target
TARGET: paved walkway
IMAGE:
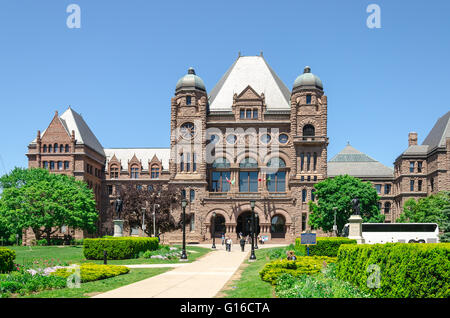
(203, 278)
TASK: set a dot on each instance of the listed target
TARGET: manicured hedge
(7, 257)
(304, 265)
(118, 247)
(406, 270)
(90, 272)
(326, 246)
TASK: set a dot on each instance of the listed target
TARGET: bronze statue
(355, 203)
(118, 207)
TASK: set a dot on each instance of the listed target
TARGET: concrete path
(203, 278)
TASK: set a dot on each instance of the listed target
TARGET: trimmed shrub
(304, 265)
(7, 257)
(90, 272)
(118, 247)
(326, 246)
(405, 270)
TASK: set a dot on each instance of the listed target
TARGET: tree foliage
(136, 198)
(37, 199)
(338, 192)
(432, 209)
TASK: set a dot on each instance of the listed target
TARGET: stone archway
(243, 223)
(278, 226)
(218, 226)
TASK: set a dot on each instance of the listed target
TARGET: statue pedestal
(355, 229)
(118, 228)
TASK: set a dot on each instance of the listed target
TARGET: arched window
(304, 194)
(248, 180)
(308, 161)
(188, 161)
(55, 148)
(114, 172)
(278, 226)
(191, 195)
(154, 171)
(61, 148)
(220, 175)
(44, 148)
(309, 130)
(302, 161)
(50, 148)
(183, 194)
(387, 208)
(181, 162)
(313, 197)
(315, 161)
(276, 181)
(67, 148)
(134, 172)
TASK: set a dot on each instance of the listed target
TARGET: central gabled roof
(250, 71)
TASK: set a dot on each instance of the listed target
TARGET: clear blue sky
(121, 67)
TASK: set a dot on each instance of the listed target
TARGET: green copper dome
(190, 81)
(308, 80)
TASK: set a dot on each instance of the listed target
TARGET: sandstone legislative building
(249, 138)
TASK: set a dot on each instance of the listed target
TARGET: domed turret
(308, 80)
(190, 81)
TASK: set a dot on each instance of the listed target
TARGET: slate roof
(143, 154)
(71, 120)
(253, 71)
(357, 164)
(438, 134)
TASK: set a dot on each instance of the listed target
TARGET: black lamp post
(256, 230)
(183, 253)
(252, 255)
(214, 230)
(335, 225)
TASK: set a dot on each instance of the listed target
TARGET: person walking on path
(223, 238)
(229, 243)
(242, 242)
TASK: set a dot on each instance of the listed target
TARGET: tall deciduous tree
(136, 198)
(432, 209)
(338, 192)
(37, 199)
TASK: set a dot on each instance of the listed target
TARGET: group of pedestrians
(228, 242)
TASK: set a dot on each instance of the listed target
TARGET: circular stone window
(187, 130)
(231, 139)
(265, 139)
(283, 138)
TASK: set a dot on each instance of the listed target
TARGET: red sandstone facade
(258, 126)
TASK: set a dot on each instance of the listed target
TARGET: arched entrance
(278, 226)
(244, 222)
(218, 226)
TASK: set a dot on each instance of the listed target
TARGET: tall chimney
(412, 139)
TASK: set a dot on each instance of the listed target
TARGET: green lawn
(100, 286)
(250, 284)
(74, 254)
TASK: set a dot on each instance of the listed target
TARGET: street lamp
(154, 218)
(252, 255)
(183, 253)
(214, 230)
(143, 221)
(256, 228)
(335, 226)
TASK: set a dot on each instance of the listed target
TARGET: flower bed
(164, 252)
(24, 283)
(303, 265)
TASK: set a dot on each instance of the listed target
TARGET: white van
(398, 232)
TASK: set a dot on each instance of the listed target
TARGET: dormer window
(134, 172)
(188, 100)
